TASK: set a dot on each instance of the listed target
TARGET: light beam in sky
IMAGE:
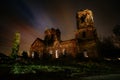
(32, 17)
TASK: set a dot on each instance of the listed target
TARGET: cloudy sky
(32, 17)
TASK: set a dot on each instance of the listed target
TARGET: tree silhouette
(107, 49)
(24, 55)
(116, 30)
(16, 44)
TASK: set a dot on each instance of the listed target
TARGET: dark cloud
(15, 9)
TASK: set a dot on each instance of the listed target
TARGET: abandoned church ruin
(84, 42)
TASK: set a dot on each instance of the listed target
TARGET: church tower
(85, 25)
(86, 35)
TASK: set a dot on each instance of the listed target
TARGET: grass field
(79, 71)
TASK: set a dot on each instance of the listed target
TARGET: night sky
(32, 17)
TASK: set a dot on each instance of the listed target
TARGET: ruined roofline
(66, 41)
(85, 10)
(38, 39)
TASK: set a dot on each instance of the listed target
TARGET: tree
(24, 55)
(16, 44)
(107, 49)
(116, 30)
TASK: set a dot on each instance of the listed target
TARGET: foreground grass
(77, 71)
(69, 70)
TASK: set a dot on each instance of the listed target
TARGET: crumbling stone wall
(38, 47)
(84, 18)
(51, 35)
(84, 42)
(86, 34)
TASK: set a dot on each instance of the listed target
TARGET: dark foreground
(82, 71)
(58, 76)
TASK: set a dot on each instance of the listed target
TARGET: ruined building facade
(83, 43)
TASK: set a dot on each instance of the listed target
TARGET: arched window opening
(84, 34)
(33, 53)
(83, 18)
(85, 53)
(56, 54)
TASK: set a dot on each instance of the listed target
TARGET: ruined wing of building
(83, 43)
